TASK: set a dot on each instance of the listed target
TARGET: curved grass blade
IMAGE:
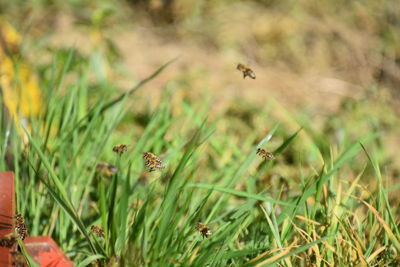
(28, 258)
(287, 142)
(173, 189)
(89, 260)
(136, 87)
(268, 262)
(240, 193)
(81, 123)
(58, 192)
(383, 192)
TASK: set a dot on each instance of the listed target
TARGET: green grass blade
(89, 260)
(240, 193)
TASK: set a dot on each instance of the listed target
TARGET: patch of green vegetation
(317, 201)
(329, 196)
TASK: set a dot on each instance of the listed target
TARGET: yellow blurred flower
(19, 85)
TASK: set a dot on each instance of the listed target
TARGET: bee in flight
(143, 177)
(246, 71)
(106, 169)
(19, 259)
(152, 162)
(97, 230)
(20, 226)
(8, 240)
(120, 149)
(265, 154)
(203, 229)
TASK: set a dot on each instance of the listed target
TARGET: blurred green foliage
(306, 204)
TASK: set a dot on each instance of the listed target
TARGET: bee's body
(97, 230)
(8, 241)
(106, 169)
(20, 232)
(265, 154)
(246, 71)
(203, 229)
(152, 162)
(19, 259)
(120, 149)
(20, 226)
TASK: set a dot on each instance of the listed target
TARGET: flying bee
(8, 240)
(19, 259)
(97, 230)
(152, 162)
(203, 229)
(120, 149)
(106, 169)
(265, 154)
(20, 226)
(246, 71)
(143, 178)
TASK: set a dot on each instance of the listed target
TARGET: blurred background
(335, 64)
(330, 68)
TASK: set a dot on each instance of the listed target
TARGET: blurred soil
(307, 56)
(143, 49)
(312, 58)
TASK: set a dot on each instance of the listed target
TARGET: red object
(42, 249)
(6, 215)
(46, 252)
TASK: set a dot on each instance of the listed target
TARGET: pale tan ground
(319, 89)
(316, 82)
(143, 51)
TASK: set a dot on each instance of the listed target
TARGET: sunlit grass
(318, 202)
(328, 198)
